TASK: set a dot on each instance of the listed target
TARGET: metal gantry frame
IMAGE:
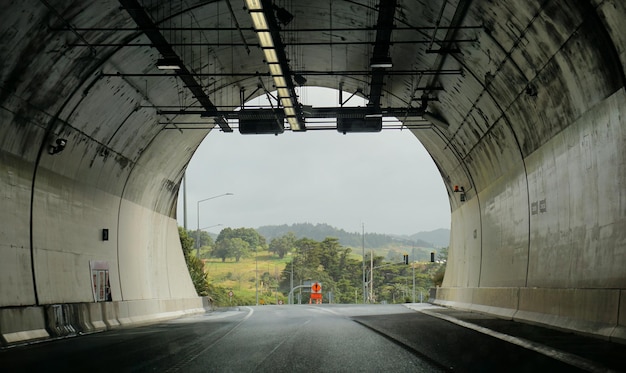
(267, 30)
(266, 24)
(145, 23)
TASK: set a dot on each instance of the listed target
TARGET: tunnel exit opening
(382, 182)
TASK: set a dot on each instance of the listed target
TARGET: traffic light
(406, 258)
(432, 256)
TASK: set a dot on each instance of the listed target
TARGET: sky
(385, 182)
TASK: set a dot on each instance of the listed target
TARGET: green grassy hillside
(239, 277)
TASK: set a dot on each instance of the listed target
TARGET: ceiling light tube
(270, 55)
(293, 123)
(275, 69)
(254, 4)
(381, 63)
(266, 39)
(283, 92)
(259, 21)
(290, 112)
(168, 64)
(286, 102)
(279, 81)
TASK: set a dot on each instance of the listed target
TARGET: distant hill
(438, 237)
(319, 232)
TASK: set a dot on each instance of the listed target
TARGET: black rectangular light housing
(260, 127)
(366, 124)
(261, 122)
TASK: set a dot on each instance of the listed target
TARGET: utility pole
(371, 276)
(413, 265)
(291, 283)
(185, 201)
(363, 246)
(256, 275)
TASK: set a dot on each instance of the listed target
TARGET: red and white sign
(316, 288)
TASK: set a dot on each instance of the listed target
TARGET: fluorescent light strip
(293, 123)
(259, 21)
(270, 55)
(283, 92)
(279, 81)
(290, 112)
(254, 4)
(275, 69)
(286, 102)
(266, 39)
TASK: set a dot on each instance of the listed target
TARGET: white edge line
(565, 357)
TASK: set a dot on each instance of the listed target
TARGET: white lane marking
(550, 352)
(287, 337)
(191, 358)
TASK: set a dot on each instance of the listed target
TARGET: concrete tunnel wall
(532, 129)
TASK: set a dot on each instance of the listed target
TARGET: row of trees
(342, 273)
(327, 261)
(241, 243)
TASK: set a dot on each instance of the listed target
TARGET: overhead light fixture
(270, 55)
(383, 63)
(290, 112)
(286, 102)
(266, 26)
(294, 124)
(259, 21)
(283, 92)
(280, 81)
(299, 79)
(254, 4)
(363, 124)
(283, 15)
(265, 37)
(169, 64)
(275, 69)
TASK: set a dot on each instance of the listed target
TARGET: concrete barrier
(19, 324)
(592, 312)
(28, 324)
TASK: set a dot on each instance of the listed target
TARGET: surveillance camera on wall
(60, 145)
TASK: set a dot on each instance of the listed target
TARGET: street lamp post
(289, 300)
(256, 275)
(413, 265)
(363, 247)
(198, 220)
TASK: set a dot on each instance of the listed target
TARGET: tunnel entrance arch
(526, 103)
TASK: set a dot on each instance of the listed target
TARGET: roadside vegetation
(242, 263)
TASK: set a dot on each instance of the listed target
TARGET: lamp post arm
(297, 287)
(198, 220)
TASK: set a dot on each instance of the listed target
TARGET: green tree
(442, 259)
(231, 248)
(194, 265)
(283, 244)
(250, 235)
(240, 248)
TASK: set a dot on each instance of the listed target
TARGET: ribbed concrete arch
(526, 101)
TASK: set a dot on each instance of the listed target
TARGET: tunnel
(103, 103)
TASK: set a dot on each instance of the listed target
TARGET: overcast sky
(385, 180)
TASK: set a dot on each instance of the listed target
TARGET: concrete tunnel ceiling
(518, 102)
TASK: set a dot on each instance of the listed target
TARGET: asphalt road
(324, 338)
